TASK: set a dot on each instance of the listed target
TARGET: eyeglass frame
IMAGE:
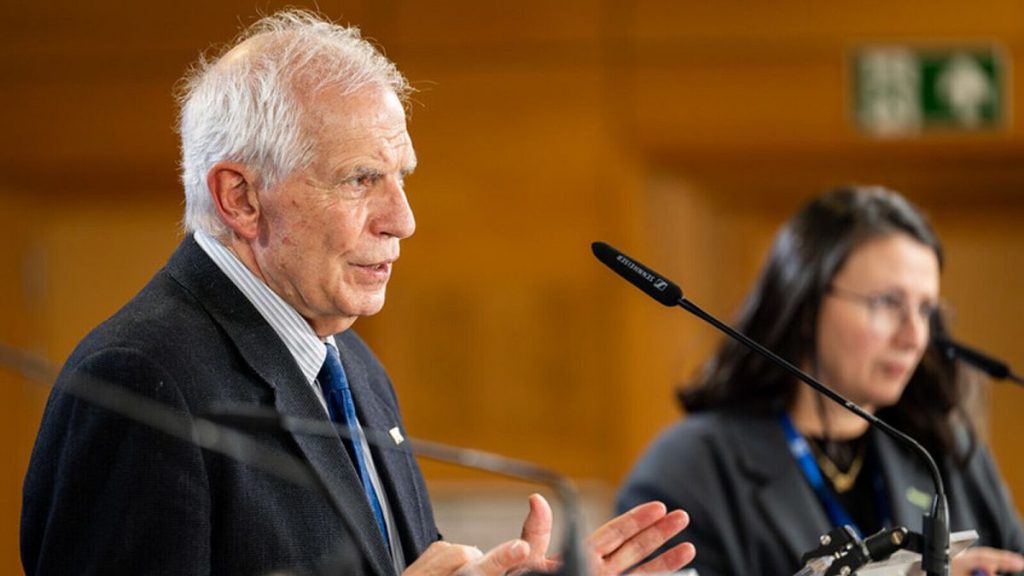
(892, 303)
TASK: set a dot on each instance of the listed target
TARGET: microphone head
(945, 346)
(653, 284)
(954, 350)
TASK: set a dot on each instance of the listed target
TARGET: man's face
(329, 233)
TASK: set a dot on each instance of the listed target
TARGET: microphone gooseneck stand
(198, 431)
(935, 545)
(217, 430)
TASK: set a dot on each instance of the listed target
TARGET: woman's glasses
(887, 311)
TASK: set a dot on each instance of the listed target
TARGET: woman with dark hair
(765, 465)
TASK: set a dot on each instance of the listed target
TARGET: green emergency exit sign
(905, 90)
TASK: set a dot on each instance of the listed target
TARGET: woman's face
(874, 321)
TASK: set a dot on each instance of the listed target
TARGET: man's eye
(363, 180)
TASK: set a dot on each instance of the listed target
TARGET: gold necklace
(841, 481)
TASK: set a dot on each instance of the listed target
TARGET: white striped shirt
(307, 349)
(305, 346)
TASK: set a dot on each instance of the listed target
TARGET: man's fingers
(537, 533)
(668, 561)
(616, 546)
(443, 558)
(503, 558)
(609, 537)
(537, 527)
(645, 542)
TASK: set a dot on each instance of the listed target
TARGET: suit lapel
(396, 465)
(328, 457)
(265, 353)
(792, 510)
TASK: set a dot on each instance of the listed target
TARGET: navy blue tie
(342, 409)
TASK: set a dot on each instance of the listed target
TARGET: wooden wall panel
(504, 234)
(774, 74)
(19, 327)
(983, 283)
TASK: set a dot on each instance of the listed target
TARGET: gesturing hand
(631, 537)
(618, 544)
(446, 559)
(613, 548)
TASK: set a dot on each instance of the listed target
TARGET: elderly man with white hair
(294, 154)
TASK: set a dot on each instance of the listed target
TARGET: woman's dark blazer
(752, 511)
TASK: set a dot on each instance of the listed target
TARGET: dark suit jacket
(104, 495)
(752, 511)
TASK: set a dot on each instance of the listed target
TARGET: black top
(861, 501)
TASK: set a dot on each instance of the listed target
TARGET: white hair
(247, 104)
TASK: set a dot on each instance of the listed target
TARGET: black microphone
(935, 555)
(653, 284)
(268, 418)
(997, 369)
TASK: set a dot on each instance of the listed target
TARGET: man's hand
(619, 544)
(631, 537)
(611, 549)
(445, 559)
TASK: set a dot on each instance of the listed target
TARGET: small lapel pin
(396, 435)
(919, 498)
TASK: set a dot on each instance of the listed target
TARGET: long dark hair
(781, 312)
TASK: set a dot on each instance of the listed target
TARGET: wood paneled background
(683, 132)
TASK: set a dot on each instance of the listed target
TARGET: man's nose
(395, 217)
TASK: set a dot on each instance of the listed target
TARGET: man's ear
(233, 189)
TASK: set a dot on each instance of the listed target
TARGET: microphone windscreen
(655, 285)
(952, 350)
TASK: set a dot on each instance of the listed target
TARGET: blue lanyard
(837, 515)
